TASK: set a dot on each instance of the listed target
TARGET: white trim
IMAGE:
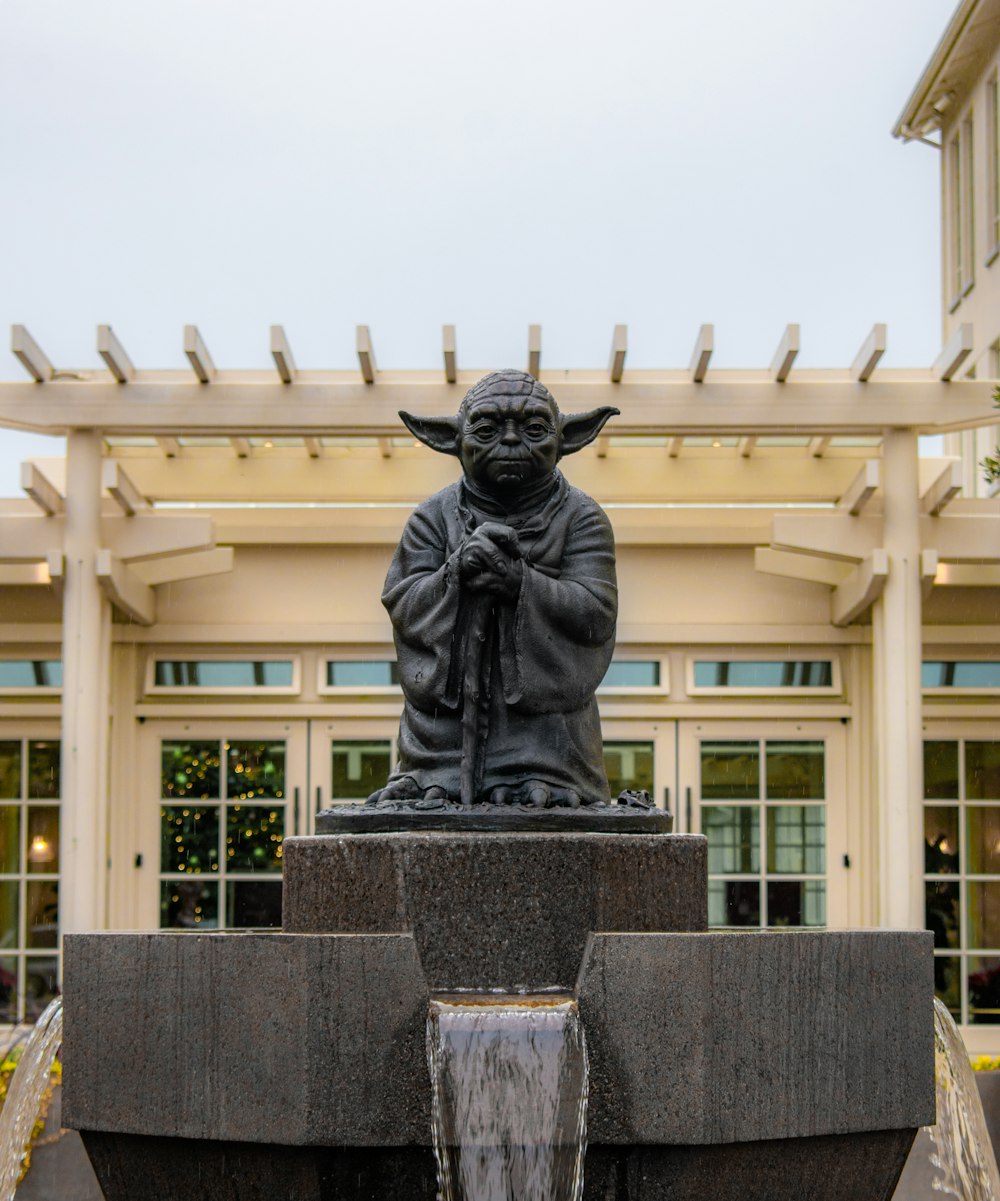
(652, 690)
(31, 690)
(151, 688)
(835, 688)
(358, 690)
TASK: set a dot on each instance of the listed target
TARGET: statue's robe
(544, 653)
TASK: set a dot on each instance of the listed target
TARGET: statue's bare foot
(403, 789)
(502, 795)
(547, 796)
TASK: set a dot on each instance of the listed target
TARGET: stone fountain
(292, 1064)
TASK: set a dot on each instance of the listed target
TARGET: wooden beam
(965, 539)
(831, 535)
(818, 446)
(314, 448)
(928, 570)
(113, 354)
(42, 490)
(675, 447)
(154, 535)
(122, 490)
(619, 349)
(855, 596)
(862, 488)
(746, 445)
(867, 358)
(130, 596)
(449, 352)
(785, 355)
(810, 568)
(703, 347)
(954, 354)
(169, 445)
(185, 567)
(281, 352)
(534, 350)
(366, 353)
(242, 447)
(943, 491)
(968, 575)
(198, 356)
(29, 354)
(55, 561)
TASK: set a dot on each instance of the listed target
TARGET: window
(745, 677)
(993, 164)
(632, 673)
(969, 675)
(629, 765)
(962, 874)
(223, 817)
(359, 767)
(961, 210)
(763, 811)
(29, 876)
(30, 675)
(224, 675)
(359, 675)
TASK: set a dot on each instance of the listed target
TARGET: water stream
(962, 1156)
(24, 1096)
(509, 1091)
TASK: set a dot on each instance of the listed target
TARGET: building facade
(193, 657)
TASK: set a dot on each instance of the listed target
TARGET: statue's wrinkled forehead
(504, 385)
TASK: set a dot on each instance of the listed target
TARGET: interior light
(40, 850)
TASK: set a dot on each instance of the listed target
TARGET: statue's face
(508, 442)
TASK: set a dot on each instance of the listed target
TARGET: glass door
(770, 798)
(639, 755)
(349, 760)
(226, 796)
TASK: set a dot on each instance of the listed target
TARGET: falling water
(963, 1158)
(509, 1086)
(24, 1096)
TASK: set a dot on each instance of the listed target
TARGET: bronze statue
(503, 601)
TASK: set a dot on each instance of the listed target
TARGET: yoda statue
(503, 601)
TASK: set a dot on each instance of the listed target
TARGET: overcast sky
(567, 162)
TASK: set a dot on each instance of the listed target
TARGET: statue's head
(508, 432)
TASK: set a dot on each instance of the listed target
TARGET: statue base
(406, 816)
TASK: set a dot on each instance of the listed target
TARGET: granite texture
(389, 818)
(730, 1037)
(271, 1037)
(495, 910)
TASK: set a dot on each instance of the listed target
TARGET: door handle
(319, 798)
(687, 809)
(295, 811)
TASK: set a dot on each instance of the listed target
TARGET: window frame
(372, 690)
(834, 688)
(151, 688)
(36, 690)
(625, 690)
(961, 690)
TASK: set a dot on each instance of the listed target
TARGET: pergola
(828, 458)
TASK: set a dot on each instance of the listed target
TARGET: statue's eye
(484, 431)
(537, 429)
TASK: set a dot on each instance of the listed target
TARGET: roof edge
(925, 84)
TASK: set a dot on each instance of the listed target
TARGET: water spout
(965, 1167)
(509, 1092)
(24, 1096)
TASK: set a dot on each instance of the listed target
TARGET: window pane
(984, 990)
(733, 833)
(730, 770)
(30, 673)
(634, 673)
(941, 913)
(359, 768)
(761, 673)
(948, 983)
(253, 838)
(796, 771)
(230, 673)
(796, 903)
(949, 674)
(43, 914)
(941, 771)
(255, 769)
(254, 903)
(8, 989)
(41, 984)
(796, 839)
(362, 673)
(984, 913)
(629, 765)
(982, 771)
(733, 903)
(189, 904)
(982, 826)
(190, 770)
(10, 769)
(9, 932)
(43, 769)
(189, 838)
(43, 839)
(10, 838)
(941, 840)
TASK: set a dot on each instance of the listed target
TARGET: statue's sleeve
(422, 596)
(557, 647)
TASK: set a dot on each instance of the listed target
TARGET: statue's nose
(511, 434)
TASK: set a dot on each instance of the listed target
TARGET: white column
(85, 721)
(897, 659)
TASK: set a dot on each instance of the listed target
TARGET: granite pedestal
(744, 1065)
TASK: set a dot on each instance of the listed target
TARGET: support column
(898, 651)
(86, 668)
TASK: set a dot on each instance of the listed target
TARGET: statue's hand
(506, 586)
(491, 549)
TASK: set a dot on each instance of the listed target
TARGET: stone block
(496, 910)
(730, 1037)
(273, 1038)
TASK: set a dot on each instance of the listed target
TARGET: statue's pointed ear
(439, 433)
(579, 429)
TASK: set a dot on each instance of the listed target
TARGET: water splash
(24, 1096)
(962, 1156)
(509, 1097)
